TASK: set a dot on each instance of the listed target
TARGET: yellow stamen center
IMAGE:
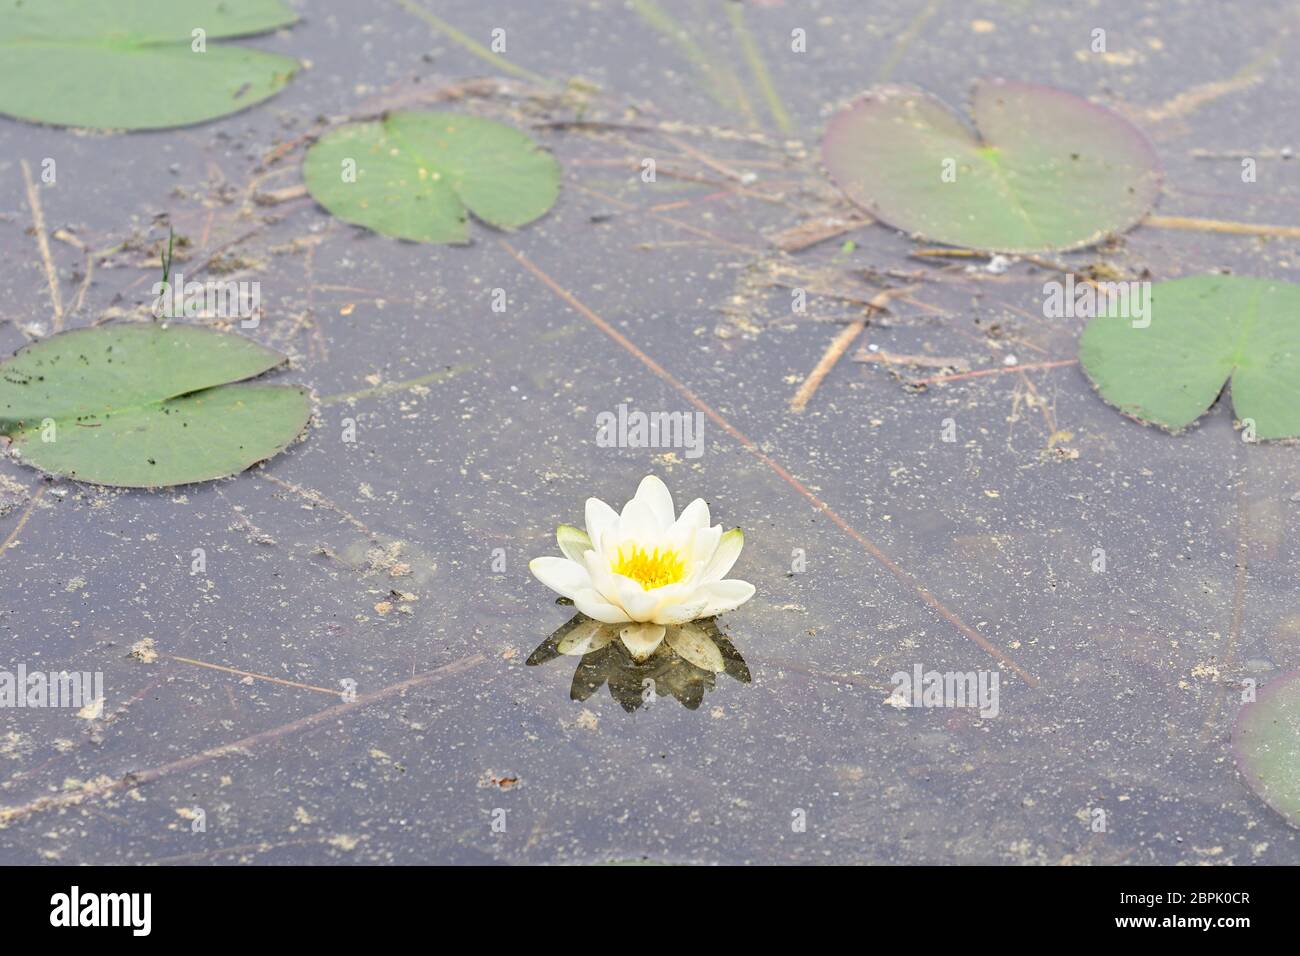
(649, 569)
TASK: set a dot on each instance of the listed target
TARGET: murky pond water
(395, 565)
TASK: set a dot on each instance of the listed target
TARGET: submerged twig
(253, 675)
(32, 502)
(316, 498)
(1218, 225)
(243, 746)
(979, 373)
(839, 345)
(812, 231)
(43, 245)
(917, 361)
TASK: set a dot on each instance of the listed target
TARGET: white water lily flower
(646, 568)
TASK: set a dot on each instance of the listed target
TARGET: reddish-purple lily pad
(1267, 745)
(1043, 170)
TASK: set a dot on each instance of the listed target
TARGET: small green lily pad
(1266, 742)
(133, 64)
(1047, 170)
(146, 406)
(417, 175)
(1203, 332)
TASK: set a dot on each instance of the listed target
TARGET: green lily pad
(131, 64)
(413, 175)
(146, 406)
(1266, 742)
(1204, 331)
(1047, 170)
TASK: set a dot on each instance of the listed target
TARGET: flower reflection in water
(684, 666)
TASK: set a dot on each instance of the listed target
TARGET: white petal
(654, 494)
(726, 595)
(607, 543)
(683, 612)
(573, 542)
(561, 575)
(599, 517)
(643, 605)
(691, 642)
(641, 640)
(724, 556)
(590, 603)
(705, 543)
(639, 603)
(586, 637)
(695, 515)
(638, 523)
(602, 579)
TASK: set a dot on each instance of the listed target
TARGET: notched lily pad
(417, 175)
(1266, 742)
(136, 64)
(1203, 332)
(146, 406)
(1046, 170)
